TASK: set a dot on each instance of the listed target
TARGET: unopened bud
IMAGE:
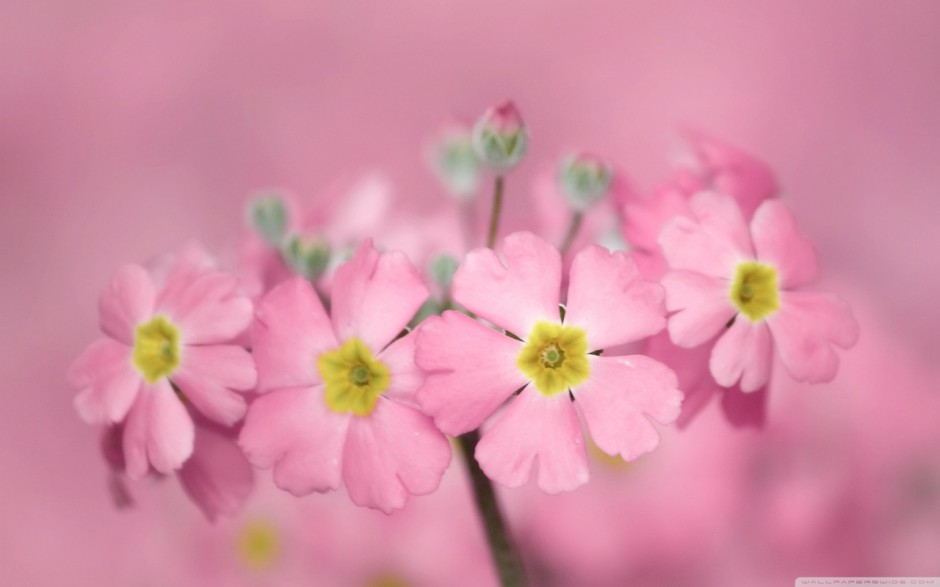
(308, 256)
(583, 180)
(456, 164)
(268, 216)
(500, 138)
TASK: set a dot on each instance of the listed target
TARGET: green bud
(308, 256)
(583, 180)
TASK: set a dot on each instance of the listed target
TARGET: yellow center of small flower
(156, 348)
(555, 357)
(353, 378)
(258, 544)
(754, 290)
(387, 581)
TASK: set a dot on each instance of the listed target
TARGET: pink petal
(135, 436)
(745, 409)
(535, 428)
(518, 294)
(714, 242)
(701, 304)
(208, 375)
(699, 387)
(778, 241)
(691, 368)
(158, 431)
(217, 477)
(375, 296)
(619, 397)
(471, 370)
(293, 431)
(607, 298)
(290, 331)
(743, 353)
(394, 451)
(106, 380)
(206, 306)
(405, 375)
(806, 328)
(127, 301)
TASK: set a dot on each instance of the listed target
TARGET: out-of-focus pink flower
(338, 401)
(159, 344)
(715, 165)
(472, 369)
(500, 138)
(729, 170)
(746, 282)
(217, 477)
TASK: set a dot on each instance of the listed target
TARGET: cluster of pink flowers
(335, 361)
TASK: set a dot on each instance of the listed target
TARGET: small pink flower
(159, 344)
(745, 283)
(338, 401)
(472, 369)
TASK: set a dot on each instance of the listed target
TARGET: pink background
(127, 128)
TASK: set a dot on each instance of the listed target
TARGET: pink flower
(746, 283)
(164, 348)
(472, 369)
(338, 401)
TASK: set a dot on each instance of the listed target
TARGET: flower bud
(455, 163)
(268, 216)
(584, 179)
(500, 138)
(308, 256)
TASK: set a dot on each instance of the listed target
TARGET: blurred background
(128, 128)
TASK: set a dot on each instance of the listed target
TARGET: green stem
(495, 213)
(573, 229)
(507, 561)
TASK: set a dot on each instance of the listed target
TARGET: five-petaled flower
(743, 283)
(163, 349)
(550, 359)
(337, 401)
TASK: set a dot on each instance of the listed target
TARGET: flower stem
(507, 561)
(495, 213)
(573, 229)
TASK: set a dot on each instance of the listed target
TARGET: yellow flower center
(258, 544)
(555, 357)
(387, 581)
(754, 290)
(353, 378)
(156, 348)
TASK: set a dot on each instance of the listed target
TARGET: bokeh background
(130, 127)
